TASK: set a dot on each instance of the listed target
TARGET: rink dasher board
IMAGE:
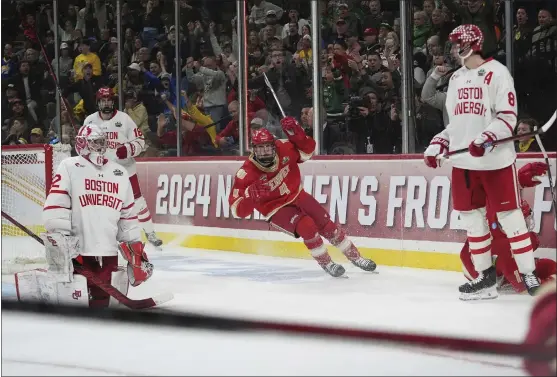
(396, 210)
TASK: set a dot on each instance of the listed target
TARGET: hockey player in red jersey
(481, 104)
(505, 266)
(270, 182)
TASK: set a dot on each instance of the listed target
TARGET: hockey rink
(260, 287)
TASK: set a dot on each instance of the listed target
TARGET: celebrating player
(505, 266)
(125, 141)
(270, 181)
(481, 103)
(88, 216)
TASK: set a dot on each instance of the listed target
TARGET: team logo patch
(79, 165)
(118, 172)
(481, 72)
(118, 124)
(285, 160)
(241, 174)
(76, 294)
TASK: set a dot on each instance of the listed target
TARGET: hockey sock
(479, 237)
(338, 238)
(513, 224)
(307, 229)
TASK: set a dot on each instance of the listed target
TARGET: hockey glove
(258, 191)
(433, 155)
(139, 267)
(530, 174)
(123, 151)
(291, 127)
(60, 249)
(482, 144)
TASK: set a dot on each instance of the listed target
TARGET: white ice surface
(394, 299)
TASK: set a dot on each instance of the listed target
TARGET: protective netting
(24, 185)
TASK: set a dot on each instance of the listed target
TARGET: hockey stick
(57, 85)
(268, 83)
(486, 145)
(549, 176)
(107, 288)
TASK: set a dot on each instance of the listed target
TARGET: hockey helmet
(105, 100)
(90, 143)
(469, 38)
(263, 145)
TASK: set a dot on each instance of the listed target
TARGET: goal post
(27, 172)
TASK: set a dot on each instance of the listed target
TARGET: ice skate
(484, 287)
(364, 263)
(334, 269)
(531, 282)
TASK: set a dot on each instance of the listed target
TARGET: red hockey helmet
(469, 38)
(105, 100)
(263, 144)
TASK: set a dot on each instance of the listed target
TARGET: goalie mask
(263, 146)
(90, 143)
(468, 38)
(105, 100)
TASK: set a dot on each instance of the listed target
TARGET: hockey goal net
(27, 172)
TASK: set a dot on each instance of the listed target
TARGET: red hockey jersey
(283, 176)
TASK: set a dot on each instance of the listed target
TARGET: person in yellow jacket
(137, 111)
(85, 57)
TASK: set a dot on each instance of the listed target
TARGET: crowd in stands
(360, 59)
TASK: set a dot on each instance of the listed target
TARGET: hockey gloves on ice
(258, 191)
(433, 155)
(482, 144)
(530, 174)
(139, 267)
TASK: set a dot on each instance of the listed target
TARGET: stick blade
(549, 123)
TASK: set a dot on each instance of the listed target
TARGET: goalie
(88, 216)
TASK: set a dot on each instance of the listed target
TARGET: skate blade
(487, 294)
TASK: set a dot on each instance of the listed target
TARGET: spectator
(18, 132)
(527, 144)
(65, 62)
(28, 85)
(259, 11)
(229, 136)
(9, 62)
(522, 34)
(213, 81)
(290, 41)
(293, 18)
(37, 136)
(422, 31)
(545, 34)
(135, 109)
(86, 57)
(87, 88)
(376, 17)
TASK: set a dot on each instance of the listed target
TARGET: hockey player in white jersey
(481, 104)
(88, 216)
(125, 141)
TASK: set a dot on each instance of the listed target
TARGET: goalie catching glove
(139, 268)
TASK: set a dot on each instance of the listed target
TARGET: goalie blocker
(88, 215)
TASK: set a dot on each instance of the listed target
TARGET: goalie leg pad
(41, 286)
(120, 282)
(60, 249)
(479, 237)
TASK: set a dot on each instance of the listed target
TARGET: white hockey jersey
(479, 100)
(120, 129)
(92, 203)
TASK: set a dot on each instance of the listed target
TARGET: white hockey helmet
(469, 39)
(90, 143)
